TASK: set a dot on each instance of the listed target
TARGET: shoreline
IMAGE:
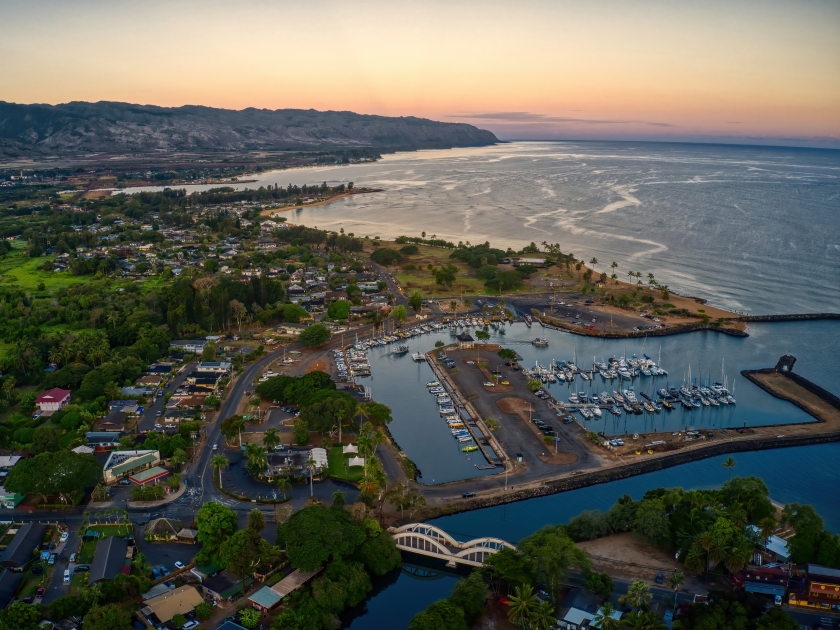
(363, 191)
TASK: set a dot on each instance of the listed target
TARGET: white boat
(540, 342)
(418, 356)
(433, 384)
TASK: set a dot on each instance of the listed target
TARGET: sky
(735, 71)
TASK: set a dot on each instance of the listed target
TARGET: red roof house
(53, 399)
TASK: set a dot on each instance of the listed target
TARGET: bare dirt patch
(513, 405)
(790, 390)
(316, 366)
(631, 557)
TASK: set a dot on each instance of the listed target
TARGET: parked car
(660, 578)
(72, 557)
(189, 625)
(40, 592)
(52, 559)
(468, 495)
(777, 601)
(67, 576)
(155, 574)
(179, 564)
(125, 482)
(64, 537)
(164, 570)
(82, 568)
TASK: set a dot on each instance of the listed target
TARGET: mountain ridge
(79, 127)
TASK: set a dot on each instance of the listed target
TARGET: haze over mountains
(76, 128)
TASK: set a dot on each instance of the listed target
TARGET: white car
(158, 426)
(179, 564)
(489, 384)
(64, 537)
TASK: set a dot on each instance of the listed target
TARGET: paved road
(150, 417)
(56, 587)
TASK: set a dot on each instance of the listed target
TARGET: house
(533, 262)
(149, 380)
(180, 601)
(465, 341)
(53, 399)
(121, 464)
(578, 609)
(19, 551)
(9, 499)
(284, 462)
(7, 462)
(269, 596)
(114, 422)
(194, 346)
(213, 367)
(109, 560)
(819, 587)
(225, 587)
(9, 581)
(117, 405)
(102, 440)
(776, 547)
(771, 581)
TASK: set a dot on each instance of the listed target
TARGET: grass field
(18, 270)
(340, 470)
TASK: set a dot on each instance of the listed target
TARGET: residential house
(109, 560)
(19, 551)
(53, 399)
(578, 610)
(269, 596)
(9, 582)
(465, 341)
(195, 346)
(213, 367)
(771, 581)
(102, 440)
(226, 587)
(180, 601)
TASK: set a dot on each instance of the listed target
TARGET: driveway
(56, 587)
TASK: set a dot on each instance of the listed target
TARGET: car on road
(67, 576)
(489, 384)
(505, 382)
(64, 537)
(215, 447)
(72, 557)
(52, 559)
(468, 495)
(164, 570)
(158, 425)
(179, 564)
(777, 601)
(660, 578)
(82, 568)
(40, 592)
(159, 412)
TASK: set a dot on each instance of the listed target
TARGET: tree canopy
(314, 335)
(61, 473)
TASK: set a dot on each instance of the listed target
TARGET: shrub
(408, 250)
(385, 256)
(23, 435)
(409, 267)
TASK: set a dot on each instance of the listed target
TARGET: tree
(301, 431)
(244, 551)
(317, 534)
(652, 520)
(256, 520)
(61, 473)
(338, 499)
(445, 276)
(179, 620)
(507, 353)
(250, 618)
(638, 595)
(219, 463)
(534, 384)
(20, 616)
(257, 459)
(729, 464)
(470, 595)
(109, 617)
(522, 605)
(232, 426)
(415, 300)
(271, 438)
(441, 615)
(284, 485)
(209, 352)
(216, 523)
(44, 440)
(604, 618)
(399, 313)
(314, 335)
(340, 309)
(204, 610)
(553, 553)
(600, 583)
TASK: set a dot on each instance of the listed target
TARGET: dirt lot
(789, 390)
(630, 557)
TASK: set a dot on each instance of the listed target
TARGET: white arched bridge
(432, 541)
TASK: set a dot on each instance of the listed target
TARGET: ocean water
(750, 228)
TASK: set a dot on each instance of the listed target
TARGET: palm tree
(339, 417)
(613, 266)
(522, 604)
(638, 595)
(257, 459)
(467, 302)
(729, 464)
(338, 499)
(631, 275)
(284, 485)
(218, 463)
(674, 582)
(639, 620)
(604, 618)
(593, 261)
(766, 526)
(271, 438)
(55, 355)
(256, 520)
(737, 557)
(543, 617)
(310, 464)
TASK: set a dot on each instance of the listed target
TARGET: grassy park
(339, 468)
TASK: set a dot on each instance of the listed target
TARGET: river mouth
(400, 382)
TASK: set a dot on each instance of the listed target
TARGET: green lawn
(86, 552)
(340, 470)
(30, 583)
(19, 270)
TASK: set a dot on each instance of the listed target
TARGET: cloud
(528, 118)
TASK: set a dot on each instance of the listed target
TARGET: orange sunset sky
(761, 71)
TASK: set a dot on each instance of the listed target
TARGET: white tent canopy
(320, 457)
(350, 448)
(356, 461)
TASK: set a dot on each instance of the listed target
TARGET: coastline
(362, 191)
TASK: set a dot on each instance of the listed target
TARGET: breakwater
(673, 329)
(585, 479)
(796, 317)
